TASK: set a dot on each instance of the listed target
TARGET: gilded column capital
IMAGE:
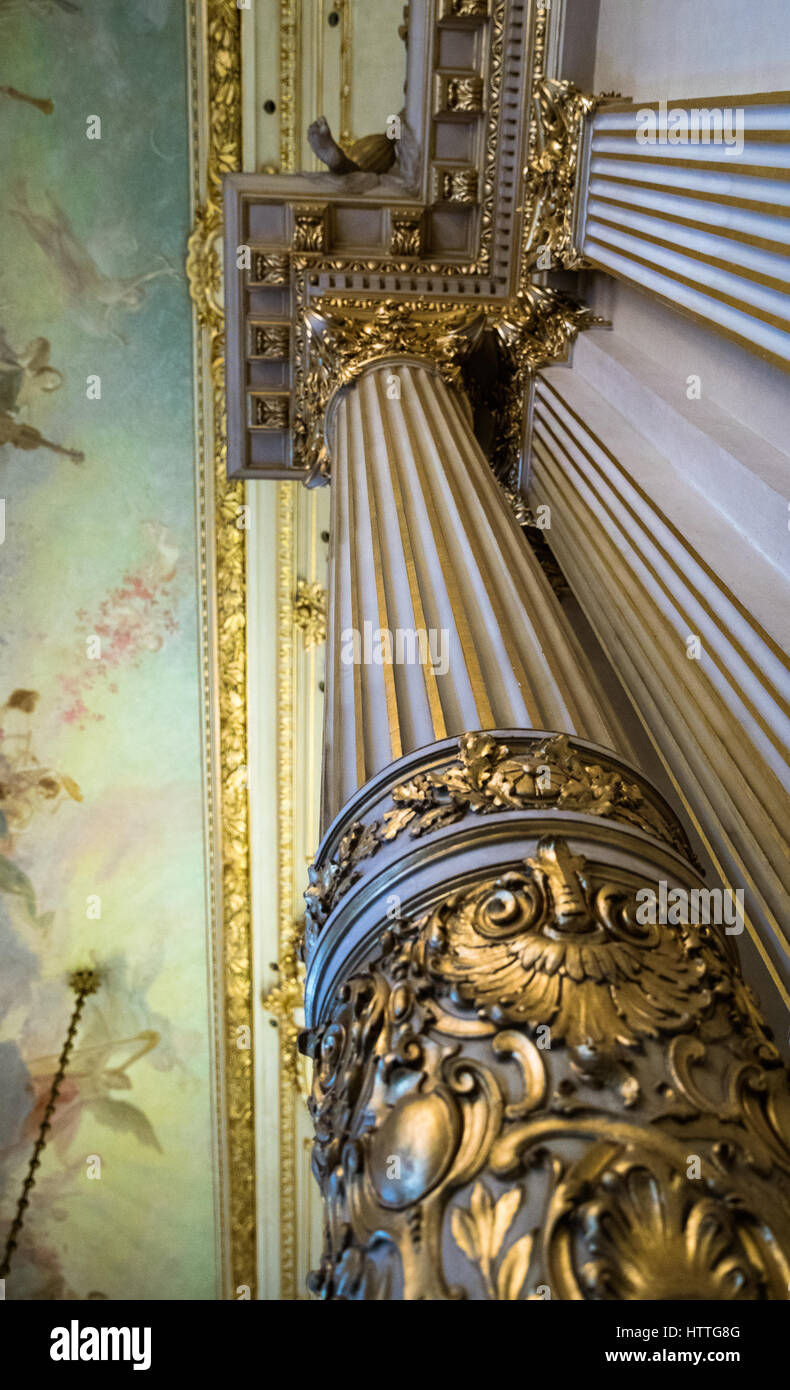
(534, 329)
(346, 340)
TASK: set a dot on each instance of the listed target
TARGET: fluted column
(530, 1080)
(425, 549)
(689, 201)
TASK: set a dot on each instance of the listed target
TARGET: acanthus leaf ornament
(343, 340)
(535, 329)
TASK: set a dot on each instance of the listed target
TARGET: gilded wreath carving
(487, 778)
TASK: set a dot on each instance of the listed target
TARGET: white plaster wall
(752, 391)
(683, 48)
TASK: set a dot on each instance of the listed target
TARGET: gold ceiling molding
(220, 114)
(286, 949)
(289, 77)
(224, 557)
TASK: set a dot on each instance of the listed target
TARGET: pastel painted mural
(101, 795)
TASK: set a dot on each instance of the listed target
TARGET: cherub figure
(94, 294)
(24, 377)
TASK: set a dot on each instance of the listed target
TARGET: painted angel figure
(94, 294)
(25, 375)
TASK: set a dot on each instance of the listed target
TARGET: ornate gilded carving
(461, 94)
(455, 185)
(545, 949)
(480, 1231)
(287, 934)
(271, 341)
(534, 329)
(531, 1095)
(405, 231)
(645, 1231)
(465, 9)
(539, 325)
(284, 1000)
(309, 228)
(270, 412)
(344, 342)
(271, 268)
(488, 778)
(559, 112)
(310, 611)
(289, 80)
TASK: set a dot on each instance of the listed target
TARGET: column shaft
(427, 550)
(654, 565)
(531, 1080)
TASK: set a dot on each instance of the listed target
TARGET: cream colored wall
(685, 49)
(366, 37)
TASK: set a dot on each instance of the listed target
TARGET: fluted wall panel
(722, 722)
(704, 225)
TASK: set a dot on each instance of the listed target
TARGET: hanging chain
(83, 982)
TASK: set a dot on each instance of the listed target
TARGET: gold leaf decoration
(514, 1269)
(203, 268)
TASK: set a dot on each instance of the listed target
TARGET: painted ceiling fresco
(101, 820)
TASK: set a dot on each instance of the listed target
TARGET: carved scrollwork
(310, 601)
(546, 949)
(461, 1155)
(559, 112)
